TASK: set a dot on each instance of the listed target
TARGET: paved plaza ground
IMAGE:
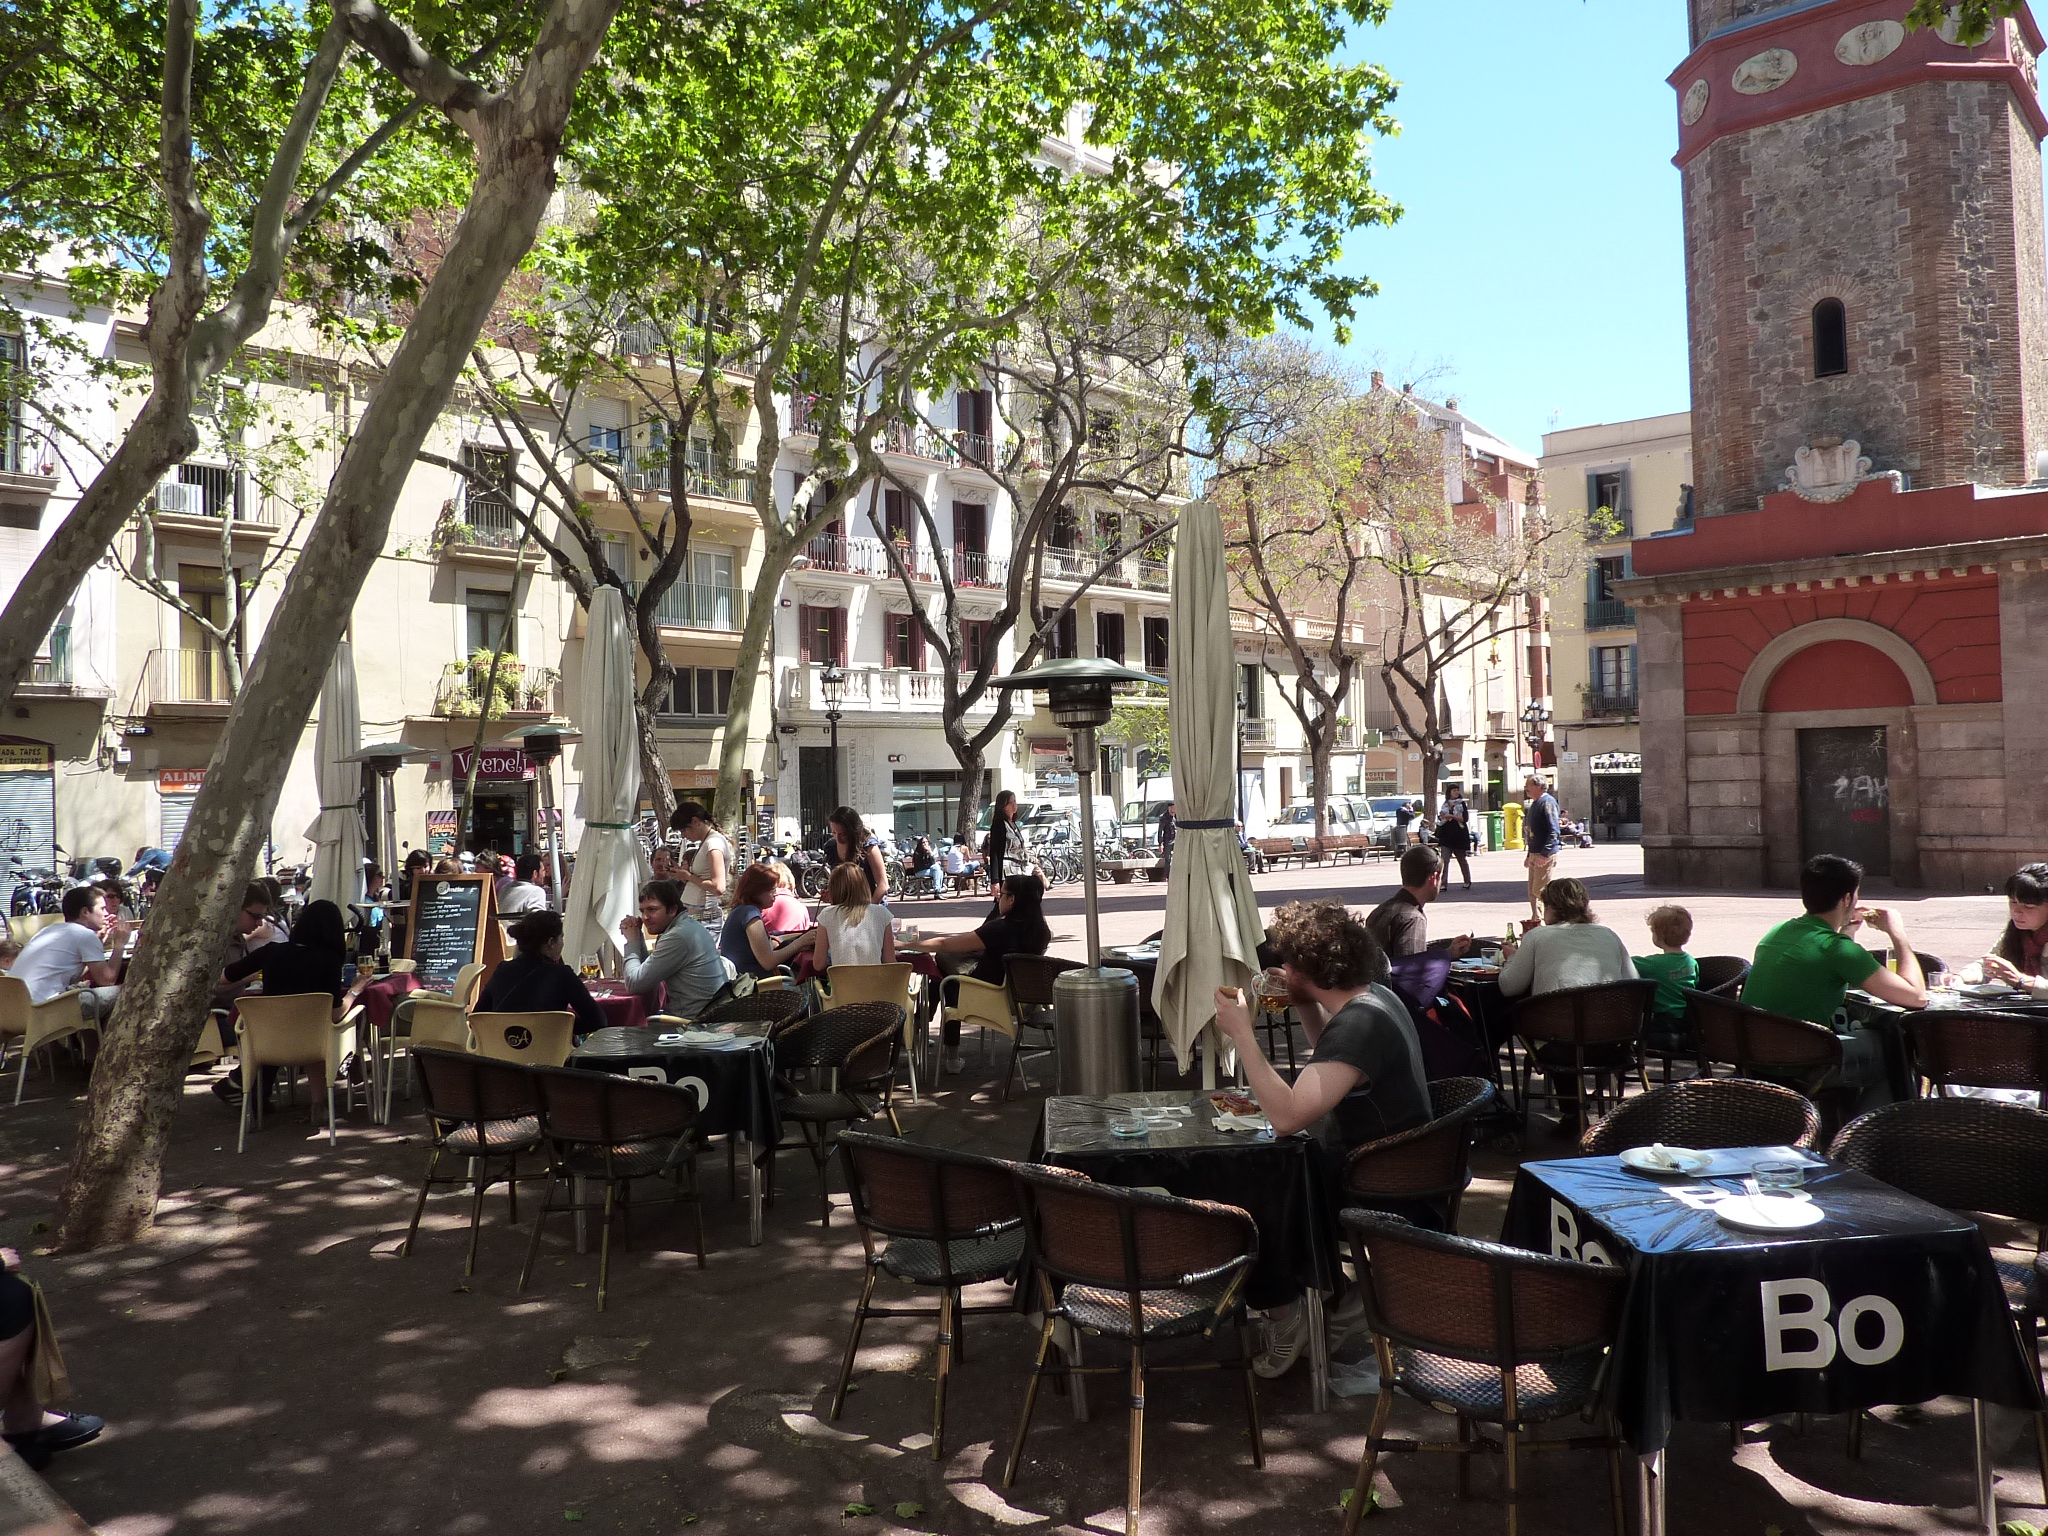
(269, 1364)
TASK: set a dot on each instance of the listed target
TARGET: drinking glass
(1779, 1178)
(587, 968)
(1127, 1121)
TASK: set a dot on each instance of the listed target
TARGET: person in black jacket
(310, 960)
(536, 980)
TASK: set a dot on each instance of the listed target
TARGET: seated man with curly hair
(1365, 1078)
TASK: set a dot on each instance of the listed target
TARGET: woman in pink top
(787, 912)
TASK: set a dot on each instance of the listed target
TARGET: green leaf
(557, 1373)
(572, 1514)
(856, 1511)
(2019, 1528)
(909, 1510)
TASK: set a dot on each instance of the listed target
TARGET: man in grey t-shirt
(683, 955)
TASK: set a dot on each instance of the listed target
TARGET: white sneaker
(1346, 1318)
(956, 1063)
(1286, 1336)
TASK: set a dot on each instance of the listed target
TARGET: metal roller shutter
(175, 809)
(28, 806)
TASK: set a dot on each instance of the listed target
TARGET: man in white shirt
(74, 951)
(524, 893)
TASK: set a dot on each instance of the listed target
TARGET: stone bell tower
(1865, 259)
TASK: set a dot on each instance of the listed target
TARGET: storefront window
(927, 803)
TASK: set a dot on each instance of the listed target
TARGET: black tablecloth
(1280, 1181)
(735, 1084)
(1888, 1022)
(1890, 1300)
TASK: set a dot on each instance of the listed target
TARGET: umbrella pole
(387, 836)
(1084, 772)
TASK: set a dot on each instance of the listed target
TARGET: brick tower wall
(1920, 209)
(1711, 15)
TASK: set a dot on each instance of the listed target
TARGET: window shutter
(835, 619)
(805, 618)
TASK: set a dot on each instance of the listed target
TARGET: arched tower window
(1830, 339)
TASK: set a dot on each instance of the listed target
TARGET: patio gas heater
(1096, 1008)
(544, 743)
(385, 759)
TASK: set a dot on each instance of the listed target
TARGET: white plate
(1769, 1213)
(1680, 1160)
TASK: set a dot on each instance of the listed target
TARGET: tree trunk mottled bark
(1320, 741)
(465, 826)
(117, 1165)
(747, 672)
(653, 770)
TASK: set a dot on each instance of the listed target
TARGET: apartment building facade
(1640, 474)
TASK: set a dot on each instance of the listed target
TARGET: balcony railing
(520, 689)
(188, 677)
(1153, 575)
(54, 670)
(702, 605)
(1599, 703)
(1259, 733)
(728, 484)
(1062, 564)
(869, 688)
(1608, 613)
(972, 568)
(212, 491)
(486, 521)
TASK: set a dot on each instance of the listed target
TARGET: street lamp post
(833, 682)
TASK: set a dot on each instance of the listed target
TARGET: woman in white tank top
(855, 930)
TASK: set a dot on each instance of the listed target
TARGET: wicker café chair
(480, 1112)
(1031, 990)
(761, 1013)
(1722, 975)
(1429, 1165)
(1973, 1155)
(849, 1054)
(1580, 1032)
(1494, 1335)
(945, 1220)
(1707, 1112)
(1777, 1049)
(614, 1129)
(1138, 1267)
(1979, 1050)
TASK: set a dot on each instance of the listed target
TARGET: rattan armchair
(1430, 1165)
(1580, 1032)
(1137, 1267)
(615, 1130)
(480, 1111)
(760, 1013)
(945, 1220)
(1795, 1052)
(1722, 975)
(1971, 1155)
(847, 1054)
(1492, 1334)
(1967, 1049)
(1707, 1112)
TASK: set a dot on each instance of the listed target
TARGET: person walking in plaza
(1399, 923)
(1002, 832)
(1168, 826)
(1542, 836)
(1454, 836)
(850, 842)
(705, 878)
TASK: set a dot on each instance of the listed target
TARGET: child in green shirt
(1672, 969)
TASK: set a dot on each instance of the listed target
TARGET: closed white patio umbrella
(604, 891)
(337, 832)
(1212, 917)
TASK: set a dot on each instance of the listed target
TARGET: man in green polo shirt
(1803, 967)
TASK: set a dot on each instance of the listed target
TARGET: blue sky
(1538, 272)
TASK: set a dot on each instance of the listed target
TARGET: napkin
(1226, 1121)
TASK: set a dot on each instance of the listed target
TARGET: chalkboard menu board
(451, 927)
